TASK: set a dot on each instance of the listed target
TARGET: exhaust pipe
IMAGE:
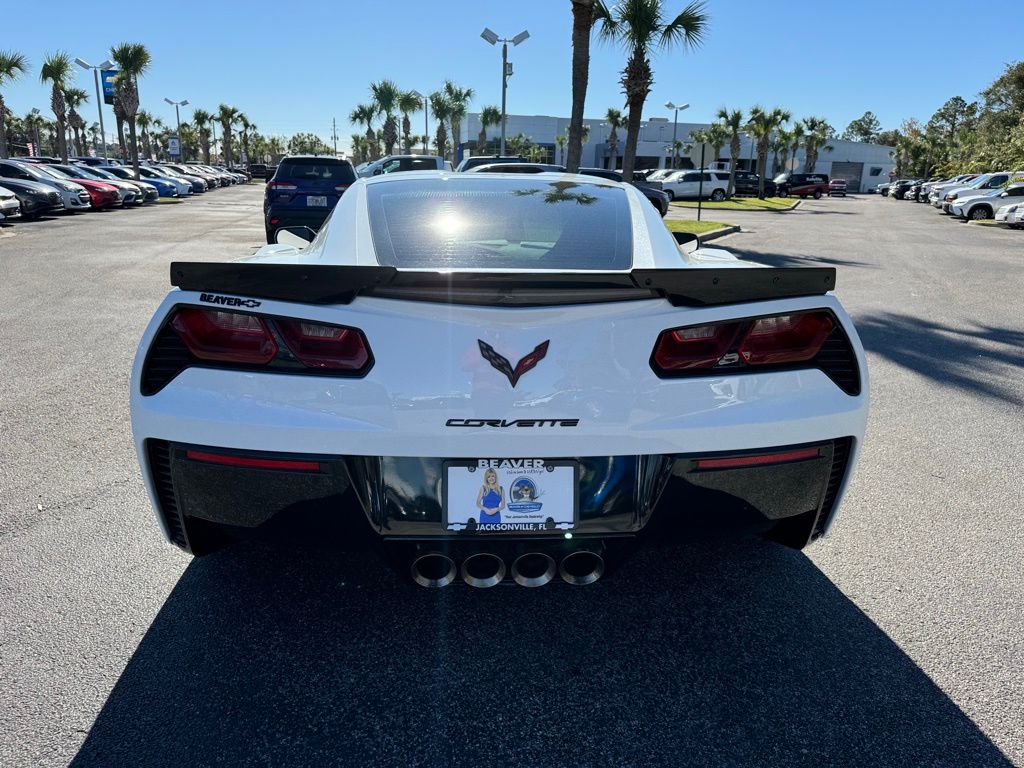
(581, 567)
(533, 569)
(482, 570)
(433, 570)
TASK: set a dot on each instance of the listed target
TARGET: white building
(862, 165)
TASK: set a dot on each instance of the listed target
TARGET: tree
(761, 126)
(518, 145)
(201, 119)
(582, 24)
(489, 116)
(887, 138)
(247, 127)
(864, 128)
(56, 71)
(34, 123)
(717, 137)
(133, 60)
(816, 132)
(76, 97)
(385, 96)
(145, 120)
(308, 144)
(227, 116)
(441, 108)
(458, 102)
(640, 27)
(732, 122)
(615, 120)
(560, 141)
(408, 102)
(12, 66)
(365, 114)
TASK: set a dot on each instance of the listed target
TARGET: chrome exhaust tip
(433, 570)
(483, 570)
(533, 569)
(581, 567)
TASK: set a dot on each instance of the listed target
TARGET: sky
(294, 67)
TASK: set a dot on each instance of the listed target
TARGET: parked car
(937, 192)
(525, 167)
(129, 193)
(73, 196)
(395, 163)
(984, 205)
(658, 197)
(883, 188)
(693, 184)
(304, 191)
(979, 184)
(898, 191)
(258, 170)
(223, 179)
(749, 183)
(146, 192)
(35, 197)
(1011, 215)
(474, 160)
(165, 187)
(189, 171)
(197, 184)
(837, 187)
(802, 184)
(183, 187)
(101, 194)
(96, 161)
(10, 206)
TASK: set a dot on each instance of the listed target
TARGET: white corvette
(502, 377)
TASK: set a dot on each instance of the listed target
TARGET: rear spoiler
(329, 284)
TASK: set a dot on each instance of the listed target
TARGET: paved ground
(898, 640)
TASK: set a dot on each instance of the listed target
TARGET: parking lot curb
(686, 205)
(714, 234)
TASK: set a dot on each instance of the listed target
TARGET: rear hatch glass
(485, 222)
(316, 173)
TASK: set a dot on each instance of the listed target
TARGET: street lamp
(177, 115)
(675, 125)
(506, 68)
(426, 130)
(99, 102)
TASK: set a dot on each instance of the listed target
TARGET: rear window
(316, 168)
(484, 222)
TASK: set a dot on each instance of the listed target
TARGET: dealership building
(862, 165)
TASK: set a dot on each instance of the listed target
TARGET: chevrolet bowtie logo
(502, 364)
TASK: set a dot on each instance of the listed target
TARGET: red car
(837, 187)
(101, 194)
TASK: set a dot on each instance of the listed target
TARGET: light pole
(506, 68)
(99, 101)
(177, 115)
(426, 130)
(675, 125)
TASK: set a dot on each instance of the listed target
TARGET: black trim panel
(330, 284)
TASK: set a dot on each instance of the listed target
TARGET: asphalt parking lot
(897, 640)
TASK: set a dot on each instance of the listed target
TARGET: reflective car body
(74, 197)
(164, 187)
(36, 198)
(547, 327)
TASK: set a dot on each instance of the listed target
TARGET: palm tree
(365, 113)
(441, 108)
(761, 126)
(458, 102)
(613, 117)
(816, 134)
(12, 66)
(56, 71)
(158, 137)
(718, 137)
(408, 102)
(385, 97)
(796, 136)
(189, 138)
(34, 122)
(640, 27)
(227, 116)
(244, 138)
(582, 24)
(560, 141)
(780, 146)
(201, 120)
(133, 60)
(75, 97)
(488, 116)
(275, 147)
(732, 122)
(145, 121)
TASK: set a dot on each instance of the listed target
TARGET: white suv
(690, 184)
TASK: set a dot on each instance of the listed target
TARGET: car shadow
(712, 652)
(789, 260)
(979, 358)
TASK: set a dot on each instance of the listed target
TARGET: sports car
(497, 378)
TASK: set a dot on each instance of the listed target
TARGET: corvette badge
(504, 366)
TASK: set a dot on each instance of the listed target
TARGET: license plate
(313, 200)
(510, 495)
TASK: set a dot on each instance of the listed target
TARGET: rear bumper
(277, 217)
(399, 497)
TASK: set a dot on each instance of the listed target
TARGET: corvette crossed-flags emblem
(504, 366)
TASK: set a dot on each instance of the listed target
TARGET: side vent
(840, 458)
(160, 465)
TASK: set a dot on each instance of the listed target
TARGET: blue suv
(304, 191)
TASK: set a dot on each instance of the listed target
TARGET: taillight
(797, 337)
(794, 338)
(282, 186)
(341, 188)
(318, 345)
(233, 337)
(699, 346)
